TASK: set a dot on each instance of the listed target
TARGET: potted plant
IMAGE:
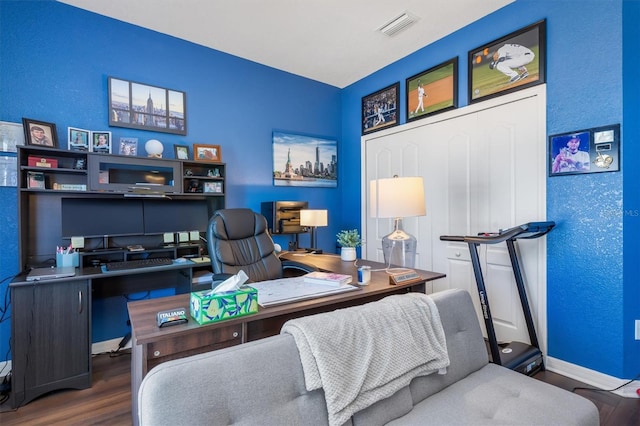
(348, 239)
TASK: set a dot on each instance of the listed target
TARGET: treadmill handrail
(536, 229)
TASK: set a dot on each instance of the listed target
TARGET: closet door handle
(80, 301)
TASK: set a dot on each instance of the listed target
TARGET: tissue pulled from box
(232, 283)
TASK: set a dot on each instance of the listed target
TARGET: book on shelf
(328, 278)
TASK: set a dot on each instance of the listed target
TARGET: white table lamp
(396, 198)
(312, 219)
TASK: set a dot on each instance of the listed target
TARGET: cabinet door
(50, 338)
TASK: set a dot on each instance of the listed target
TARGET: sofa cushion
(495, 395)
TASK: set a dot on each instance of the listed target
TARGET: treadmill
(518, 356)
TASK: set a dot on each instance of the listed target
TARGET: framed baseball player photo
(594, 150)
(380, 109)
(511, 63)
(432, 91)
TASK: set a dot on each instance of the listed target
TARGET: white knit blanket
(366, 353)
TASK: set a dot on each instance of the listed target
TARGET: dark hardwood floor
(108, 401)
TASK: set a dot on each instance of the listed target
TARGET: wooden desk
(152, 345)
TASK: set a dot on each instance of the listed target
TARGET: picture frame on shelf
(128, 146)
(40, 133)
(101, 142)
(380, 109)
(11, 135)
(594, 150)
(78, 139)
(146, 107)
(210, 153)
(181, 152)
(514, 62)
(212, 187)
(432, 91)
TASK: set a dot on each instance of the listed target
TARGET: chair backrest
(238, 240)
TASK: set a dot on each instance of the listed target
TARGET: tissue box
(207, 307)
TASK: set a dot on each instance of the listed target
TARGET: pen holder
(63, 259)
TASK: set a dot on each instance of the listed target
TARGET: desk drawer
(209, 337)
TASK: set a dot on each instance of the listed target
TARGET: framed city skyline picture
(145, 107)
(304, 160)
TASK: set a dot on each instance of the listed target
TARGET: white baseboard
(108, 346)
(593, 378)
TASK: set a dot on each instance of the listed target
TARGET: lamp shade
(313, 217)
(397, 197)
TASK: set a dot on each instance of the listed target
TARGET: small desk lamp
(398, 197)
(313, 219)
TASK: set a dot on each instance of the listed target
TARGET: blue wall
(60, 76)
(592, 293)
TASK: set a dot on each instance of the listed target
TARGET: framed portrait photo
(207, 153)
(101, 142)
(40, 133)
(181, 152)
(78, 139)
(380, 109)
(508, 64)
(594, 150)
(432, 91)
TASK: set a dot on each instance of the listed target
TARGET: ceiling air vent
(398, 24)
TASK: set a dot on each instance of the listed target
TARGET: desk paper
(288, 290)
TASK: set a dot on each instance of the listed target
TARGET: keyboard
(136, 264)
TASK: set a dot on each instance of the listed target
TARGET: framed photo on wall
(146, 107)
(40, 133)
(78, 139)
(380, 109)
(304, 160)
(508, 64)
(207, 153)
(592, 150)
(11, 135)
(432, 91)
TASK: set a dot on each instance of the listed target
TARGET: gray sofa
(262, 383)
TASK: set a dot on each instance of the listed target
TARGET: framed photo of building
(432, 91)
(508, 64)
(11, 135)
(40, 133)
(592, 150)
(146, 107)
(78, 139)
(304, 160)
(380, 109)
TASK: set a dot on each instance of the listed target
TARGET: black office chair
(238, 240)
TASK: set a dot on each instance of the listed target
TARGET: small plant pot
(348, 254)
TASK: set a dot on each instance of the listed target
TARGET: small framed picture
(508, 64)
(207, 153)
(432, 91)
(40, 133)
(78, 139)
(11, 135)
(128, 146)
(585, 151)
(181, 152)
(101, 142)
(215, 187)
(380, 109)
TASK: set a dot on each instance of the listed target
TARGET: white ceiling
(331, 41)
